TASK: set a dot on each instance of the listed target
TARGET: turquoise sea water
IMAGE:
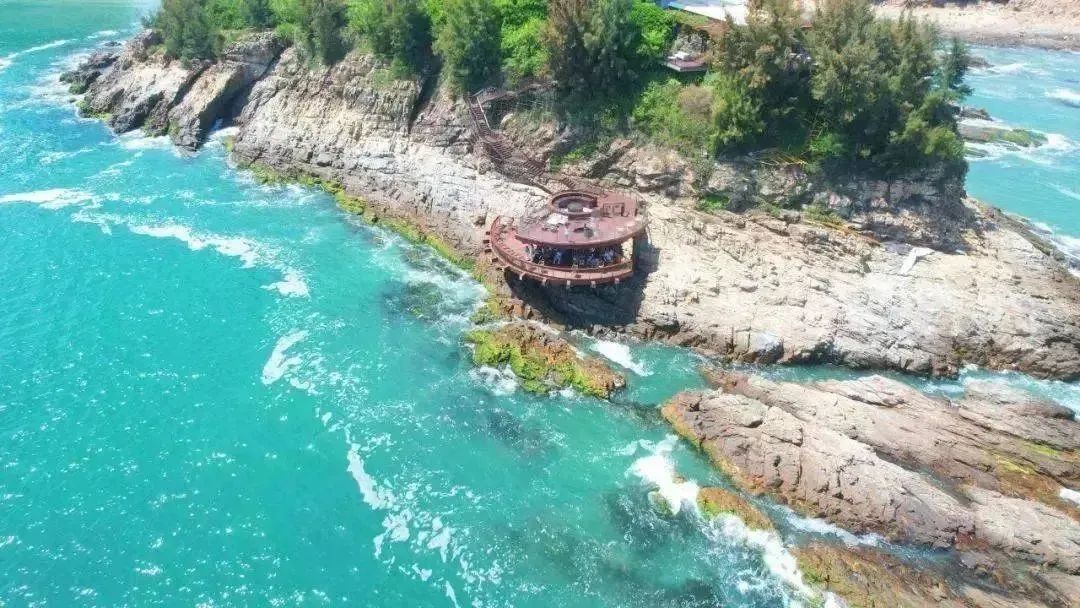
(217, 393)
(1037, 90)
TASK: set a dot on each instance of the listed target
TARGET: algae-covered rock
(985, 131)
(865, 578)
(718, 501)
(542, 360)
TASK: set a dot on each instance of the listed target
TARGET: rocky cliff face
(913, 278)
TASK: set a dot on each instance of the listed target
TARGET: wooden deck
(510, 253)
(605, 219)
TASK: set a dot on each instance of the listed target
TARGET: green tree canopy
(468, 43)
(596, 48)
(319, 24)
(399, 30)
(186, 29)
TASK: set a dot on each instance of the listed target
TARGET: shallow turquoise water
(217, 393)
(1037, 90)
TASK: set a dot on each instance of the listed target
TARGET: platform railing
(501, 230)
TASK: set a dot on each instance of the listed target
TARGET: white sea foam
(237, 247)
(1067, 191)
(103, 34)
(8, 59)
(250, 253)
(1065, 96)
(451, 595)
(1007, 68)
(136, 140)
(220, 134)
(292, 285)
(822, 527)
(53, 198)
(658, 470)
(500, 382)
(780, 562)
(373, 495)
(41, 47)
(49, 158)
(1048, 153)
(620, 354)
(1070, 495)
(279, 362)
(149, 570)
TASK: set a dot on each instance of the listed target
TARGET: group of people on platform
(593, 257)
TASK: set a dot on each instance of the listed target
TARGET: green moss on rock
(866, 578)
(542, 361)
(714, 502)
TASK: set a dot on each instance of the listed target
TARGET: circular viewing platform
(579, 238)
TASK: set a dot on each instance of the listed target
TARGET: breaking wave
(500, 382)
(7, 60)
(621, 355)
(658, 471)
(53, 198)
(1066, 96)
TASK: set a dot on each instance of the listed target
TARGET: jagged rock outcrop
(210, 96)
(900, 274)
(877, 455)
(79, 80)
(140, 86)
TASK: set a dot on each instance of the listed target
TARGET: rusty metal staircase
(500, 149)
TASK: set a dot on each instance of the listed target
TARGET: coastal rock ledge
(903, 274)
(981, 475)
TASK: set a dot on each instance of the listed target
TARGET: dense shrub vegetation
(852, 91)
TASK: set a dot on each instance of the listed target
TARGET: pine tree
(398, 30)
(186, 29)
(468, 43)
(954, 67)
(320, 23)
(569, 61)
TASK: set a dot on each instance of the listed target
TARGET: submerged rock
(986, 131)
(542, 360)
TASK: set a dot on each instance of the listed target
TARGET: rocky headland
(780, 266)
(904, 274)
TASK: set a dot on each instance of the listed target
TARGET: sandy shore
(1051, 24)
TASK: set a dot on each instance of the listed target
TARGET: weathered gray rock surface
(877, 455)
(211, 94)
(748, 286)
